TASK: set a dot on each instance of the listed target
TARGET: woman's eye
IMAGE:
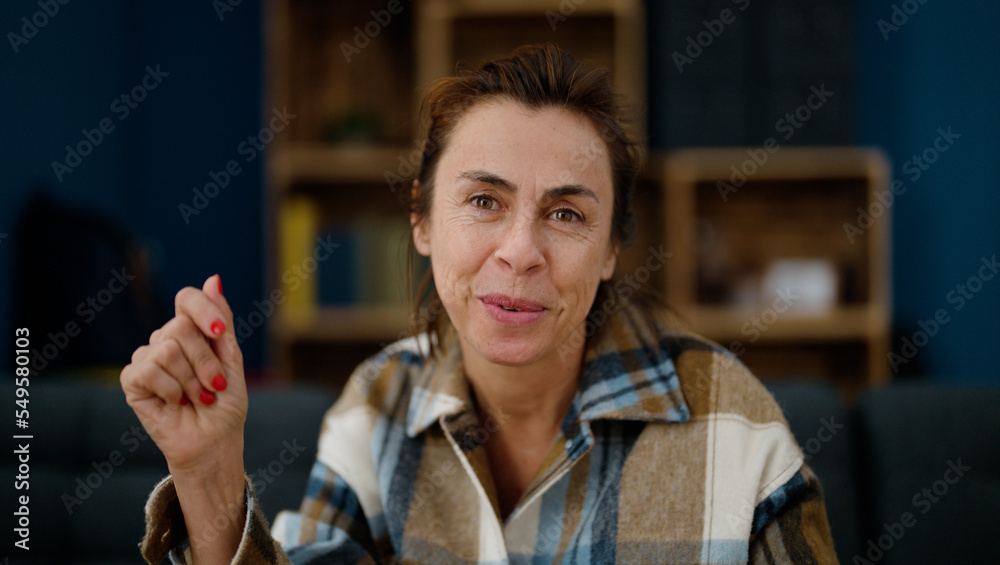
(565, 215)
(483, 202)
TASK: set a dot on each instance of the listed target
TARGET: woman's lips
(510, 311)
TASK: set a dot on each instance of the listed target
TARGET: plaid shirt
(672, 452)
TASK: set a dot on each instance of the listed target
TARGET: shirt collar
(628, 374)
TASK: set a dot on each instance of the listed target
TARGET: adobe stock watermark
(87, 310)
(86, 486)
(427, 487)
(225, 7)
(758, 325)
(363, 36)
(697, 44)
(249, 148)
(267, 474)
(924, 501)
(31, 26)
(566, 9)
(754, 328)
(624, 288)
(787, 125)
(409, 164)
(914, 168)
(960, 295)
(827, 430)
(898, 17)
(122, 108)
(293, 277)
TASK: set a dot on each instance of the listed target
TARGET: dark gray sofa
(874, 459)
(77, 430)
(897, 442)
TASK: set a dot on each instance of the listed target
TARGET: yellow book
(297, 228)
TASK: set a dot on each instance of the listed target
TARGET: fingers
(225, 345)
(144, 380)
(206, 315)
(184, 353)
(213, 290)
(197, 348)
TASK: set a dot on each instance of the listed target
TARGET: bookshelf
(336, 173)
(458, 34)
(354, 73)
(780, 225)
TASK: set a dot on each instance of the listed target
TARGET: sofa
(92, 467)
(911, 472)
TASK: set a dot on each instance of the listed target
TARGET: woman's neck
(535, 396)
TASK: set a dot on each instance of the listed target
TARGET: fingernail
(219, 382)
(184, 400)
(207, 397)
(218, 278)
(218, 327)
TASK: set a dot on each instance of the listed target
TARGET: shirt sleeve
(329, 527)
(790, 526)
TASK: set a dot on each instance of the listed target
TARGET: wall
(207, 100)
(938, 70)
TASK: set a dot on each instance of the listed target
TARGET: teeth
(510, 309)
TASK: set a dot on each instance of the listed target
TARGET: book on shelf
(357, 262)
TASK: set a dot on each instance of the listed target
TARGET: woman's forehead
(549, 144)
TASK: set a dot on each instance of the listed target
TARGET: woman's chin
(510, 351)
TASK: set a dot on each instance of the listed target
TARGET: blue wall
(65, 78)
(939, 69)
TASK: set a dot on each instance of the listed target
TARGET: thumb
(213, 290)
(225, 346)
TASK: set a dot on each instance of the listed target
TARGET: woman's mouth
(512, 311)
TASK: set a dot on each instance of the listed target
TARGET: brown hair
(535, 76)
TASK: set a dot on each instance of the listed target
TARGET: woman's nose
(520, 247)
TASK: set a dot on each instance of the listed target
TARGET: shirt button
(569, 444)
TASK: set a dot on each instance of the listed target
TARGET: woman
(542, 415)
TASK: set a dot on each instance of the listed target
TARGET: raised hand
(188, 389)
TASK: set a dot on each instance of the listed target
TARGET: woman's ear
(421, 239)
(609, 263)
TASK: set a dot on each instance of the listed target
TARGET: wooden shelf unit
(792, 206)
(453, 35)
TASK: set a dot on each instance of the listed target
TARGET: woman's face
(519, 231)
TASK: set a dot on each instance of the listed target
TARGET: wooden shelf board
(340, 163)
(841, 324)
(490, 8)
(342, 324)
(692, 165)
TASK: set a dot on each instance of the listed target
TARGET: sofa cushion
(282, 434)
(933, 474)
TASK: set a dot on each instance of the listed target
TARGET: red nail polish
(218, 327)
(184, 400)
(219, 279)
(207, 398)
(219, 382)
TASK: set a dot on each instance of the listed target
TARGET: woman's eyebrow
(489, 178)
(507, 186)
(571, 190)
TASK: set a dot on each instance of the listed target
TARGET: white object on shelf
(809, 286)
